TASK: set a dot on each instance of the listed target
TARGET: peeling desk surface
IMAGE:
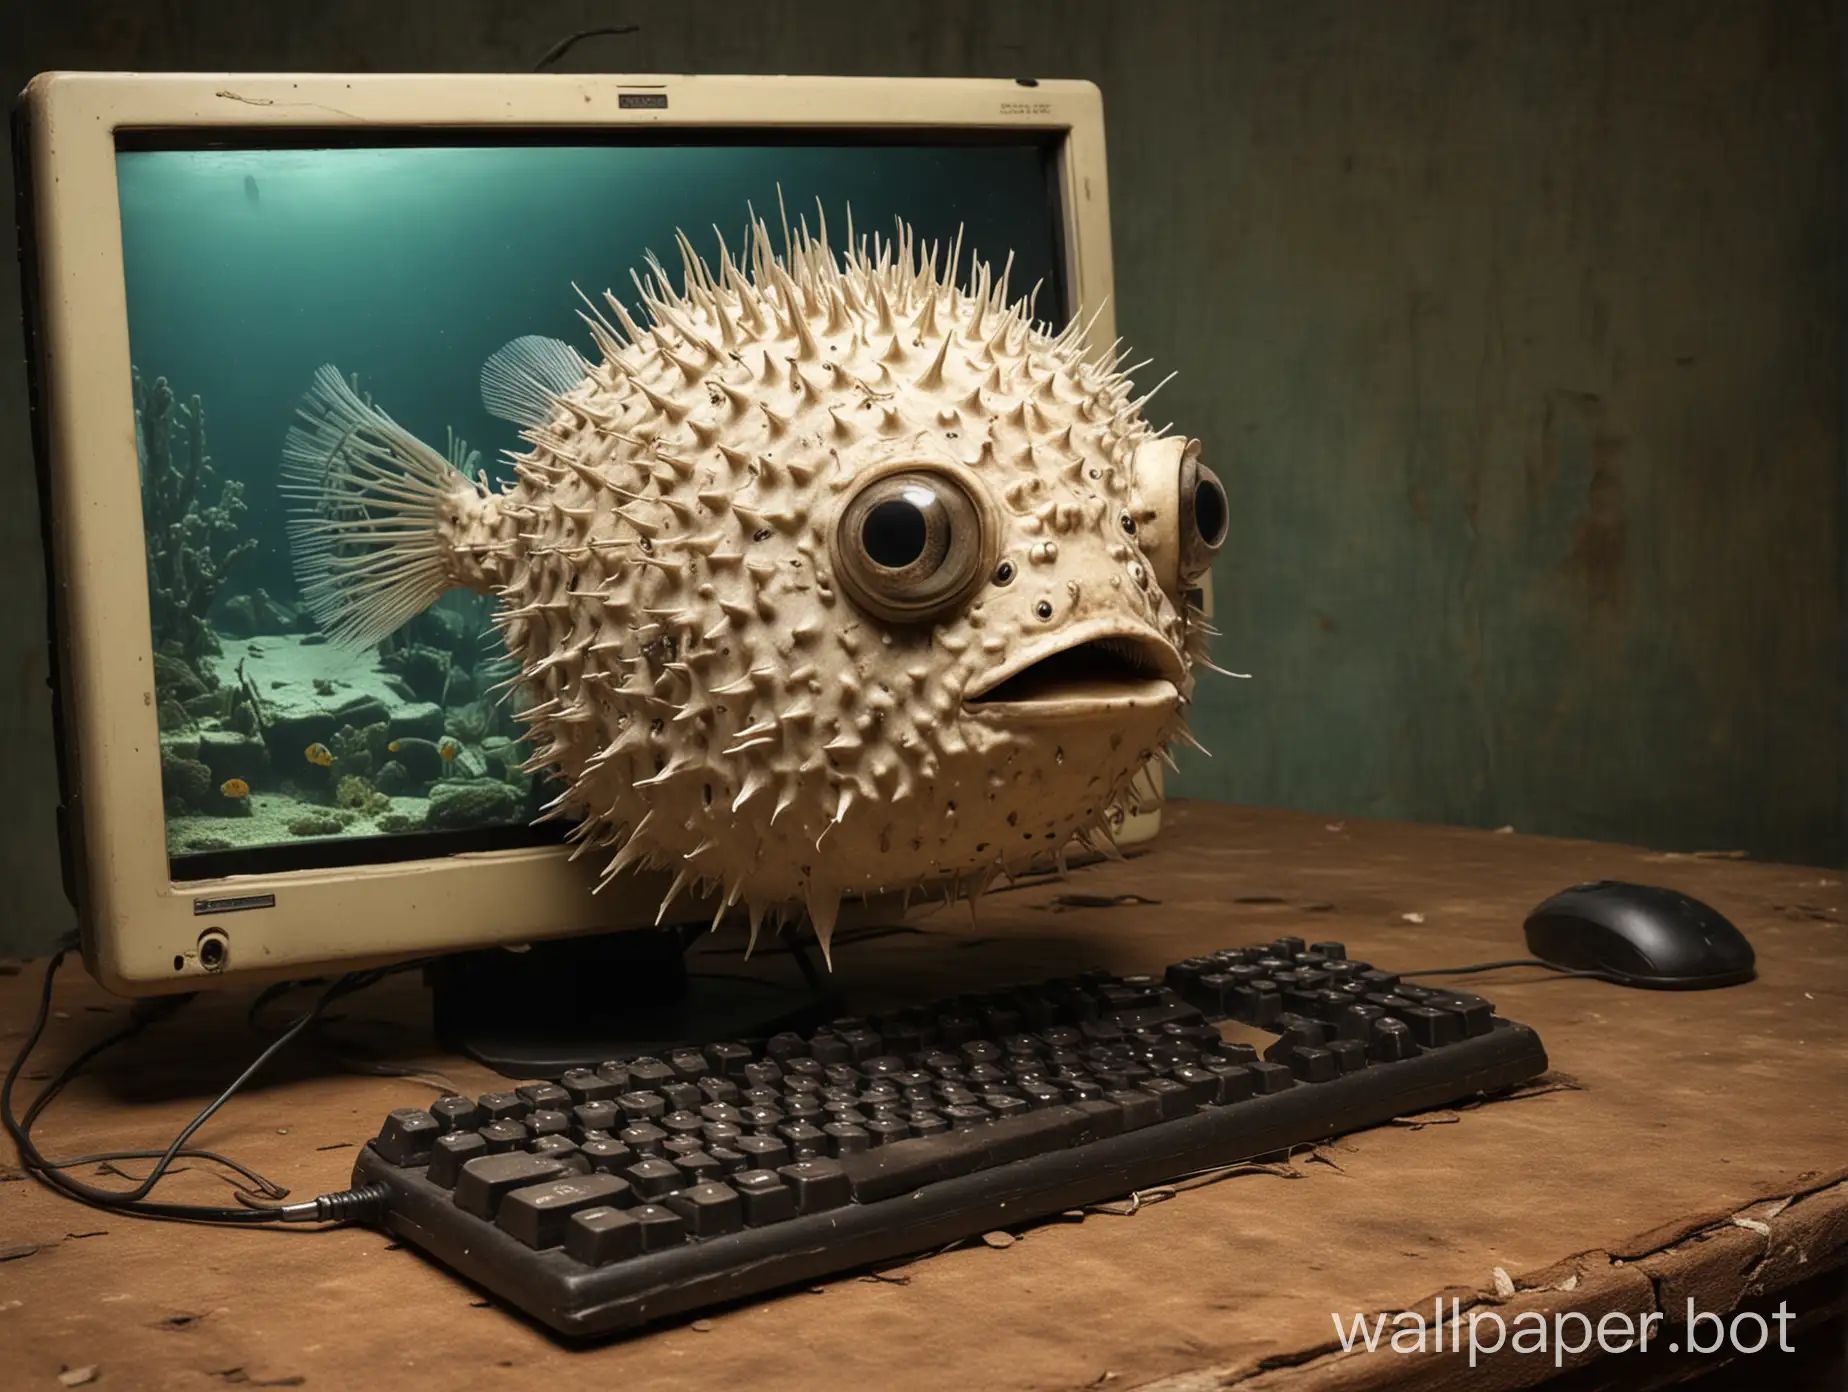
(1684, 1144)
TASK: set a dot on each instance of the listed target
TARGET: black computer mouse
(1641, 934)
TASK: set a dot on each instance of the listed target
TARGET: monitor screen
(408, 265)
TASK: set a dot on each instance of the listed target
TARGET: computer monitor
(240, 798)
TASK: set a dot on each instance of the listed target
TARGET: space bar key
(900, 1167)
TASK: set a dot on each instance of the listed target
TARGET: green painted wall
(1515, 330)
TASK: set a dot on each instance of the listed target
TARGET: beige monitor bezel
(142, 931)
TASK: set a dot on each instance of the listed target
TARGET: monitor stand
(575, 1002)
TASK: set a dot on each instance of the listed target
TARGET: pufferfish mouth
(1092, 670)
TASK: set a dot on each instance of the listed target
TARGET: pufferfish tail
(378, 514)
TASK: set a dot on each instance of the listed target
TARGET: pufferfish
(837, 577)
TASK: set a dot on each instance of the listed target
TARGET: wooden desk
(1695, 1146)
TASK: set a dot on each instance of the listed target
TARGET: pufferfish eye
(1206, 516)
(910, 545)
(1185, 514)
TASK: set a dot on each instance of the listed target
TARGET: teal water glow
(246, 270)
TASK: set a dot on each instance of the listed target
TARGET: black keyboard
(647, 1188)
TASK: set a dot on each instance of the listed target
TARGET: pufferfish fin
(368, 498)
(521, 382)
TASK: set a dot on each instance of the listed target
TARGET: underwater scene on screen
(248, 269)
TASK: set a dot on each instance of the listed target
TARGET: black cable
(571, 41)
(145, 1013)
(341, 1206)
(268, 1188)
(1558, 971)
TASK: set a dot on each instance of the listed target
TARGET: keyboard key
(845, 1138)
(876, 1095)
(730, 1059)
(1477, 1015)
(653, 1178)
(1313, 1065)
(449, 1153)
(648, 1074)
(1271, 1076)
(805, 1107)
(541, 1097)
(407, 1136)
(457, 1113)
(607, 1156)
(1392, 1040)
(1001, 1105)
(1201, 1084)
(761, 1118)
(924, 1121)
(883, 1130)
(662, 1228)
(819, 1185)
(699, 1168)
(582, 1085)
(805, 1142)
(641, 1106)
(731, 1161)
(1234, 1081)
(616, 1074)
(484, 1181)
(715, 1089)
(763, 1073)
(1431, 1028)
(561, 1148)
(599, 1236)
(1174, 1098)
(503, 1136)
(644, 1138)
(708, 1209)
(764, 1196)
(764, 1152)
(1139, 1108)
(596, 1116)
(1296, 1032)
(1351, 1054)
(681, 1097)
(1258, 1004)
(719, 1133)
(536, 1215)
(1356, 1022)
(503, 1106)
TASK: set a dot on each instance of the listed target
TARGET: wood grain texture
(1515, 330)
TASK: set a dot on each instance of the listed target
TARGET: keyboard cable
(362, 1204)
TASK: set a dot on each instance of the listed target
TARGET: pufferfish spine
(726, 686)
